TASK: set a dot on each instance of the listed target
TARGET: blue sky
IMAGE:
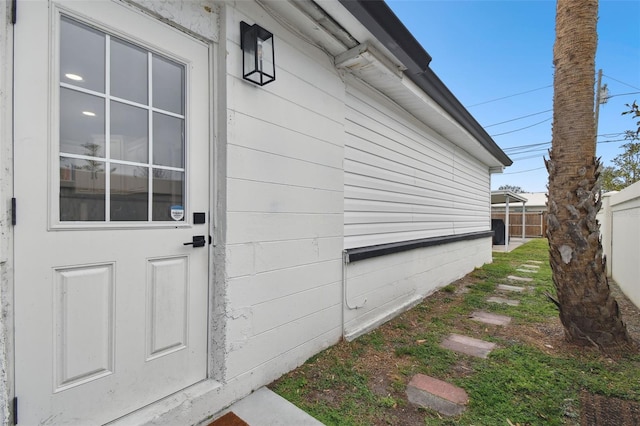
(486, 50)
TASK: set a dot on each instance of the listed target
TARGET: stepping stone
(535, 261)
(503, 301)
(489, 318)
(523, 279)
(513, 288)
(530, 266)
(429, 392)
(528, 271)
(468, 345)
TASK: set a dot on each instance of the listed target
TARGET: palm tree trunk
(588, 312)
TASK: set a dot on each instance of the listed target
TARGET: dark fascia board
(380, 21)
(361, 253)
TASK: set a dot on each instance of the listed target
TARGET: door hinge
(13, 212)
(14, 11)
(15, 410)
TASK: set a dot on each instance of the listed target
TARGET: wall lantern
(258, 60)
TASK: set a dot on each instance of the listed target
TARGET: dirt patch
(630, 313)
(388, 372)
(598, 410)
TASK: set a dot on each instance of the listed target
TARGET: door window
(122, 130)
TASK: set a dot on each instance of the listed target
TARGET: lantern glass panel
(258, 54)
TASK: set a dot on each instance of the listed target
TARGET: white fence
(620, 228)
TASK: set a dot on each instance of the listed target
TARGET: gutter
(380, 21)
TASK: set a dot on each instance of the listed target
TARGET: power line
(539, 148)
(528, 157)
(532, 145)
(511, 96)
(523, 171)
(522, 128)
(526, 146)
(519, 118)
(621, 94)
(621, 82)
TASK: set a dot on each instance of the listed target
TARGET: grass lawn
(533, 378)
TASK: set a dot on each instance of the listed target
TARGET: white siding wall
(381, 287)
(620, 226)
(284, 196)
(402, 183)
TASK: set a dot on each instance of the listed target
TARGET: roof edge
(383, 23)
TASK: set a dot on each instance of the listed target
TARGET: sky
(496, 58)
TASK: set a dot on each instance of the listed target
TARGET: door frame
(216, 354)
(7, 353)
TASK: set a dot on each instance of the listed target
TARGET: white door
(111, 180)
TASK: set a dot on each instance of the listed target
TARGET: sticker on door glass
(177, 213)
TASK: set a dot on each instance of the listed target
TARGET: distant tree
(626, 168)
(634, 110)
(511, 188)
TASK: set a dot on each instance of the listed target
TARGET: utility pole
(602, 96)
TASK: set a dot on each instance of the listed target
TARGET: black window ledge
(361, 253)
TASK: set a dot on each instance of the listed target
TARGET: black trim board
(361, 253)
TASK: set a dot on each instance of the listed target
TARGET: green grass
(518, 382)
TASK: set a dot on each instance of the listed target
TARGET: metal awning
(502, 196)
(499, 197)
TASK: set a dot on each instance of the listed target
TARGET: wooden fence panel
(535, 224)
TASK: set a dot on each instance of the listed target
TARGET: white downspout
(506, 224)
(523, 220)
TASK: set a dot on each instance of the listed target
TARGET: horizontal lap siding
(381, 287)
(402, 181)
(285, 197)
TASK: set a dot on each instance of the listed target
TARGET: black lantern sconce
(258, 59)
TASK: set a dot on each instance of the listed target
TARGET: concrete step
(429, 392)
(468, 345)
(489, 318)
(266, 408)
(503, 301)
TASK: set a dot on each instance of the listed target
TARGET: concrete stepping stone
(535, 261)
(527, 271)
(513, 288)
(429, 392)
(468, 345)
(503, 301)
(537, 267)
(489, 318)
(522, 279)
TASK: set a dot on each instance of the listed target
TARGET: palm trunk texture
(588, 312)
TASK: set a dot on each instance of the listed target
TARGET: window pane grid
(158, 182)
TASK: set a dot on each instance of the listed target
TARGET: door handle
(197, 241)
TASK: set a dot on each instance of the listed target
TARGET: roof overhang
(501, 196)
(368, 41)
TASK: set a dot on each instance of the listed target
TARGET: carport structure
(503, 196)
